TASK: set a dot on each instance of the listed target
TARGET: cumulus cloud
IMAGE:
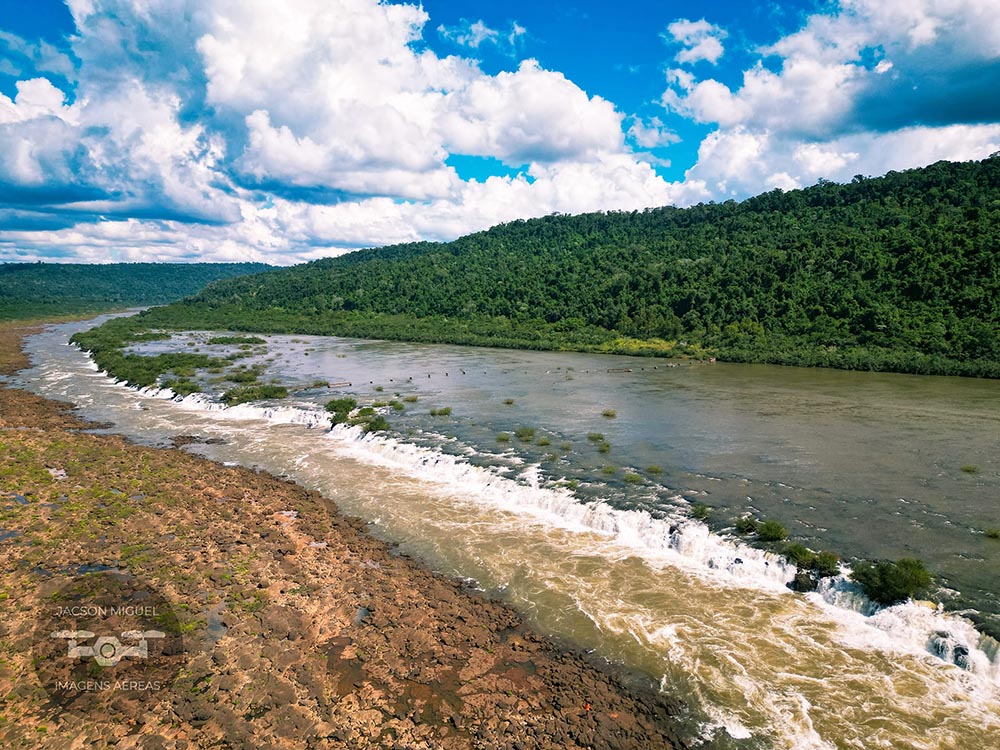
(737, 162)
(249, 129)
(869, 86)
(701, 40)
(283, 130)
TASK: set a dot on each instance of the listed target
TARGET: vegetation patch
(245, 394)
(236, 340)
(887, 582)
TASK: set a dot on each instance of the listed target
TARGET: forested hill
(898, 273)
(29, 290)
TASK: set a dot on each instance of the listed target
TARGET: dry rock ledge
(302, 630)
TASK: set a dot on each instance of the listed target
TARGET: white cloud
(737, 162)
(474, 34)
(234, 129)
(251, 108)
(527, 115)
(701, 40)
(651, 133)
(469, 33)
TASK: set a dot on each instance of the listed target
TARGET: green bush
(247, 393)
(503, 437)
(340, 409)
(508, 401)
(444, 411)
(771, 531)
(970, 469)
(609, 413)
(993, 533)
(826, 564)
(700, 511)
(632, 478)
(378, 423)
(654, 470)
(799, 554)
(603, 447)
(236, 340)
(525, 433)
(182, 386)
(543, 441)
(595, 437)
(746, 525)
(888, 582)
(410, 399)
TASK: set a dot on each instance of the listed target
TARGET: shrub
(565, 446)
(970, 468)
(543, 441)
(799, 554)
(654, 470)
(444, 411)
(377, 423)
(826, 564)
(182, 386)
(525, 433)
(888, 582)
(503, 437)
(609, 471)
(771, 531)
(410, 399)
(236, 340)
(746, 525)
(508, 401)
(397, 405)
(253, 393)
(595, 437)
(609, 413)
(700, 511)
(379, 389)
(603, 447)
(341, 406)
(632, 478)
(993, 533)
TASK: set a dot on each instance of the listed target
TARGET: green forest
(39, 290)
(898, 273)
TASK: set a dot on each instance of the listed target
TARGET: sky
(288, 130)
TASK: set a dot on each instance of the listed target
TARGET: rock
(803, 582)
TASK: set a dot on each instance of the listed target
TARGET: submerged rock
(945, 646)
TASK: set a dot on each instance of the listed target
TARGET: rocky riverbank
(299, 628)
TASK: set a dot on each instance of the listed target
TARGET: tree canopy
(899, 273)
(40, 289)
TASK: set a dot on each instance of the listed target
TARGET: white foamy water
(711, 615)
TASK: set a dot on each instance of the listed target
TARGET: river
(591, 537)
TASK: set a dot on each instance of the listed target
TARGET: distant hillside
(31, 290)
(896, 273)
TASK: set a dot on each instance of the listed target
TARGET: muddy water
(614, 565)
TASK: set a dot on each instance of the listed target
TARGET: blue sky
(253, 129)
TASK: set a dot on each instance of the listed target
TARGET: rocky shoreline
(301, 630)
